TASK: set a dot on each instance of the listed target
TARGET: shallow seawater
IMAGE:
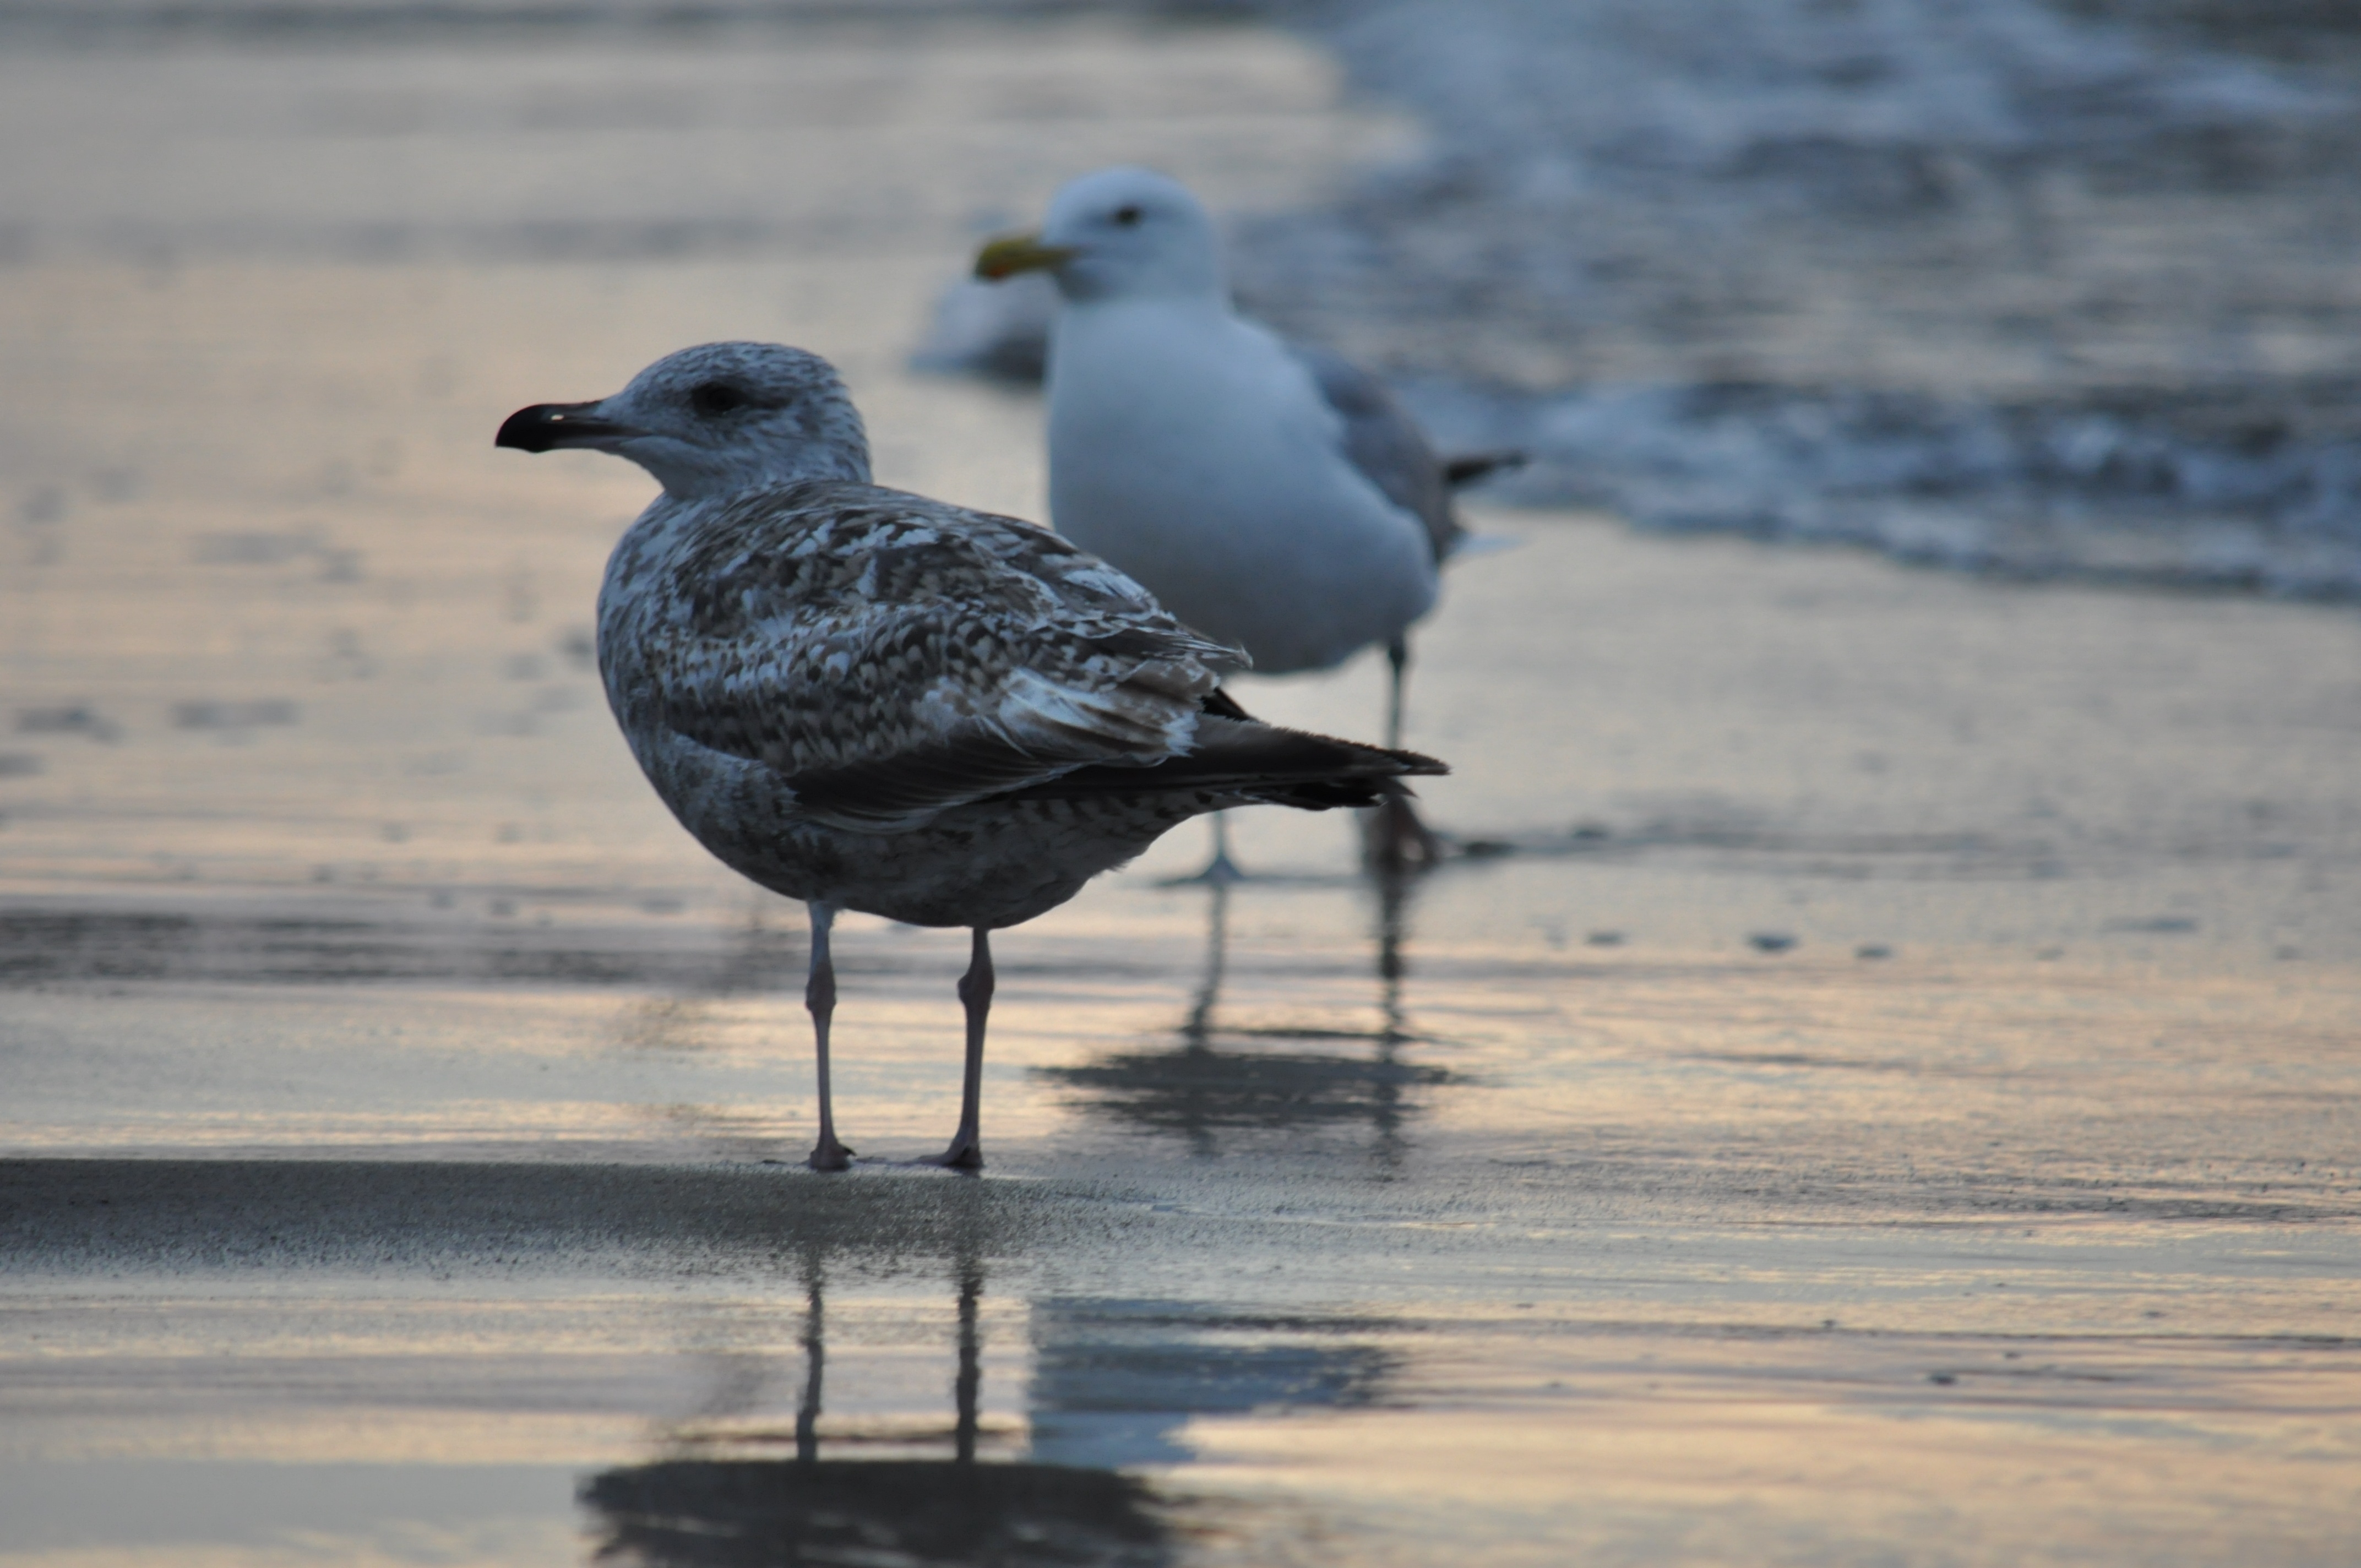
(1881, 1088)
(2057, 288)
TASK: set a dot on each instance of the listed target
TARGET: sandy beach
(1879, 1086)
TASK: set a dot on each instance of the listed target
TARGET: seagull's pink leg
(819, 995)
(975, 993)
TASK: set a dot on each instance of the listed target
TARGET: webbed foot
(1393, 838)
(966, 1154)
(1219, 871)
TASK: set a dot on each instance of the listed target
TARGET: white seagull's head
(713, 419)
(1119, 233)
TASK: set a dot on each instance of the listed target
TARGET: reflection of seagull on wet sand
(869, 700)
(1114, 1383)
(686, 1511)
(1232, 1080)
(1271, 496)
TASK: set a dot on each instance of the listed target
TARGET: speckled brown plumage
(890, 703)
(886, 655)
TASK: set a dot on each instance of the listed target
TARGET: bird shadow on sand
(398, 1217)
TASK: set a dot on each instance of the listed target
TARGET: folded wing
(890, 657)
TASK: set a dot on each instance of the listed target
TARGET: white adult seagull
(869, 700)
(1271, 496)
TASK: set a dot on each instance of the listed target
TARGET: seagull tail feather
(1247, 760)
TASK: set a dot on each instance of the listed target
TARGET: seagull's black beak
(547, 426)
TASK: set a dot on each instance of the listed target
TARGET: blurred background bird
(1274, 496)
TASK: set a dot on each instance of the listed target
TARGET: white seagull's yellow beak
(1014, 253)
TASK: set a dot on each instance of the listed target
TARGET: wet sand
(1882, 1089)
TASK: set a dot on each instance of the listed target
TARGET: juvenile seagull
(1273, 496)
(869, 700)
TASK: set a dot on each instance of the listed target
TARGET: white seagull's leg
(975, 993)
(819, 995)
(1219, 871)
(1397, 657)
(1392, 838)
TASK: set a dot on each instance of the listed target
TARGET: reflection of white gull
(869, 700)
(1273, 496)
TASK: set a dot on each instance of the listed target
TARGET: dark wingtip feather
(1244, 757)
(1222, 705)
(1473, 467)
(1416, 765)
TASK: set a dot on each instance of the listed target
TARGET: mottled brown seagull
(866, 699)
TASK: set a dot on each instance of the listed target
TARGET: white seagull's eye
(1127, 216)
(716, 397)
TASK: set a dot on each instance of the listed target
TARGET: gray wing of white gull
(1386, 445)
(889, 657)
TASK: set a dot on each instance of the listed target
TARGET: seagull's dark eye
(1127, 216)
(716, 397)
